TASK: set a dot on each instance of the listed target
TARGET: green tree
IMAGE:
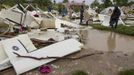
(130, 3)
(121, 2)
(101, 6)
(107, 3)
(13, 2)
(43, 2)
(95, 3)
(65, 1)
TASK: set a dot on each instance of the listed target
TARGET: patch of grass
(127, 72)
(79, 72)
(132, 11)
(127, 30)
(100, 27)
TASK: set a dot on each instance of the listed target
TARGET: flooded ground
(109, 41)
(118, 55)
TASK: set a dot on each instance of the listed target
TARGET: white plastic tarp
(91, 11)
(106, 11)
(107, 20)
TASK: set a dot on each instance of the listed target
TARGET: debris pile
(35, 34)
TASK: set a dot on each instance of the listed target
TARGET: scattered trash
(120, 68)
(76, 63)
(125, 54)
(53, 72)
(55, 66)
(44, 69)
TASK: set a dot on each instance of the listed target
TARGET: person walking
(115, 17)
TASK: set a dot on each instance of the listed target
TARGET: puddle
(109, 41)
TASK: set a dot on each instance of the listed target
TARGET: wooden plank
(22, 65)
(4, 60)
(25, 40)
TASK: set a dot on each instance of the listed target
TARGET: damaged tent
(104, 16)
(106, 11)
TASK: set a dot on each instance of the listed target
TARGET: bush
(79, 72)
(76, 8)
(132, 11)
(127, 72)
(127, 30)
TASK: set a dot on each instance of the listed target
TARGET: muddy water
(108, 41)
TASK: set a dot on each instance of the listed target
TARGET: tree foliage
(43, 2)
(130, 3)
(95, 3)
(39, 2)
(121, 2)
(107, 3)
(65, 1)
(12, 2)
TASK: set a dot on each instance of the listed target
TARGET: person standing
(64, 11)
(81, 13)
(70, 13)
(49, 8)
(115, 17)
(59, 10)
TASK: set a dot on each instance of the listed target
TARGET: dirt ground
(108, 63)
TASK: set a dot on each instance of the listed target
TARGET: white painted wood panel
(22, 65)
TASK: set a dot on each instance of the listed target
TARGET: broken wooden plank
(4, 60)
(22, 65)
(25, 40)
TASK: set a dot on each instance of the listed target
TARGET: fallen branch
(70, 58)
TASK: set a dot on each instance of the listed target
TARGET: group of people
(63, 11)
(115, 14)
